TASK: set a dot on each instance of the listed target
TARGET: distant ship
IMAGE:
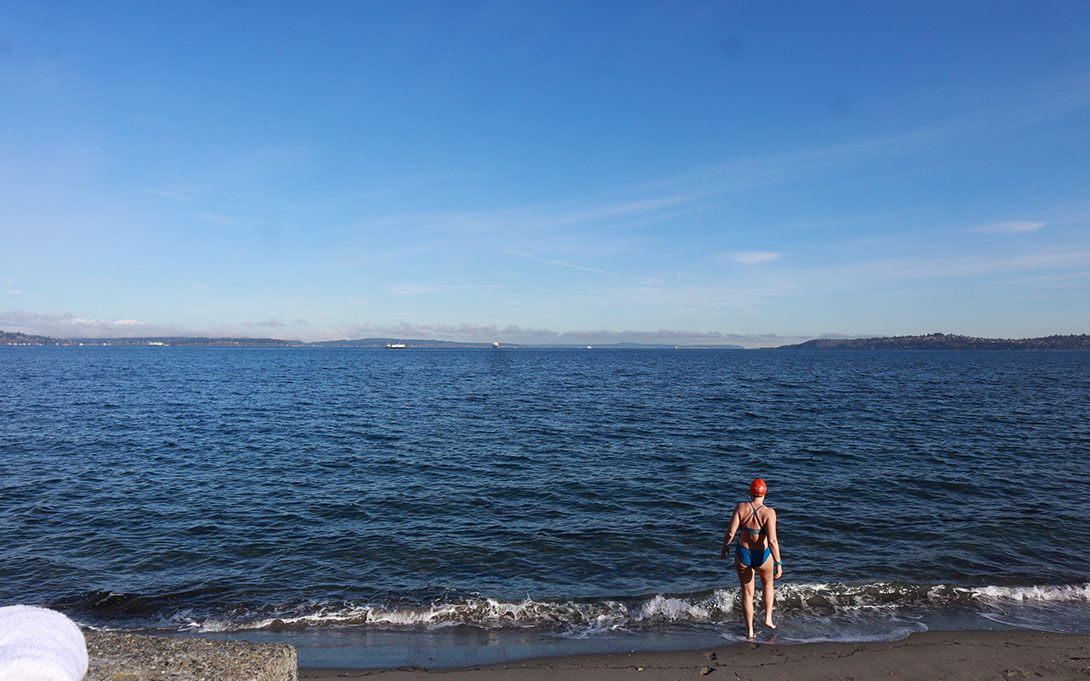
(394, 346)
(495, 345)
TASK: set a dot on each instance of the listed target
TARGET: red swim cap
(757, 488)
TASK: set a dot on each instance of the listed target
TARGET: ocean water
(388, 507)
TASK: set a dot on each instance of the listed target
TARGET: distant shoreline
(934, 341)
(19, 339)
(942, 341)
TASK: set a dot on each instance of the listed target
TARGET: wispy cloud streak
(571, 265)
(562, 263)
(746, 257)
(861, 274)
(1013, 227)
(170, 194)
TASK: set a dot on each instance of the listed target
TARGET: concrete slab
(136, 657)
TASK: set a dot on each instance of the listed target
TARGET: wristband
(777, 562)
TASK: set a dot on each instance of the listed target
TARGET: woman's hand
(779, 570)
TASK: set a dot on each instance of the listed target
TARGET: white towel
(37, 644)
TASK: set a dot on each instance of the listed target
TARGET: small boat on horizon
(395, 346)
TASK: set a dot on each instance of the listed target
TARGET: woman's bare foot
(751, 636)
(769, 624)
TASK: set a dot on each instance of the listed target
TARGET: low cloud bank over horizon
(72, 326)
(472, 333)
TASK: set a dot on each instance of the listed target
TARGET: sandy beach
(933, 655)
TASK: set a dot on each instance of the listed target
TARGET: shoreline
(929, 655)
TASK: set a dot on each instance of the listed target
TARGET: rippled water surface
(574, 493)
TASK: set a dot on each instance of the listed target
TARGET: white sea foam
(1058, 593)
(671, 609)
(582, 618)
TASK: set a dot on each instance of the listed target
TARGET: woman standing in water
(758, 550)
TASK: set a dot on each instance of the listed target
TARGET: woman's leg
(745, 576)
(768, 584)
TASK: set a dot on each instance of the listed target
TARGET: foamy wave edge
(586, 617)
(1046, 594)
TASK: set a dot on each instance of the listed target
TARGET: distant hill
(934, 341)
(11, 338)
(637, 346)
(196, 341)
(407, 342)
(942, 341)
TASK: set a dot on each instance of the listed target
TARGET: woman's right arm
(774, 543)
(735, 521)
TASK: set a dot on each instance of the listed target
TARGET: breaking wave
(587, 617)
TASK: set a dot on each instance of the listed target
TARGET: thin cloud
(531, 218)
(866, 274)
(1034, 105)
(649, 281)
(71, 326)
(1013, 227)
(748, 294)
(270, 323)
(746, 257)
(215, 219)
(435, 289)
(414, 290)
(542, 336)
(170, 194)
(562, 263)
(629, 208)
(756, 257)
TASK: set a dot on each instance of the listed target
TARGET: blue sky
(527, 172)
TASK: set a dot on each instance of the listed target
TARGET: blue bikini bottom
(752, 558)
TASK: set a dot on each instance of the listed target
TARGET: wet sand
(929, 656)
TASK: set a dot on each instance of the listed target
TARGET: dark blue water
(541, 495)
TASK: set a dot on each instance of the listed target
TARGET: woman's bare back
(753, 527)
